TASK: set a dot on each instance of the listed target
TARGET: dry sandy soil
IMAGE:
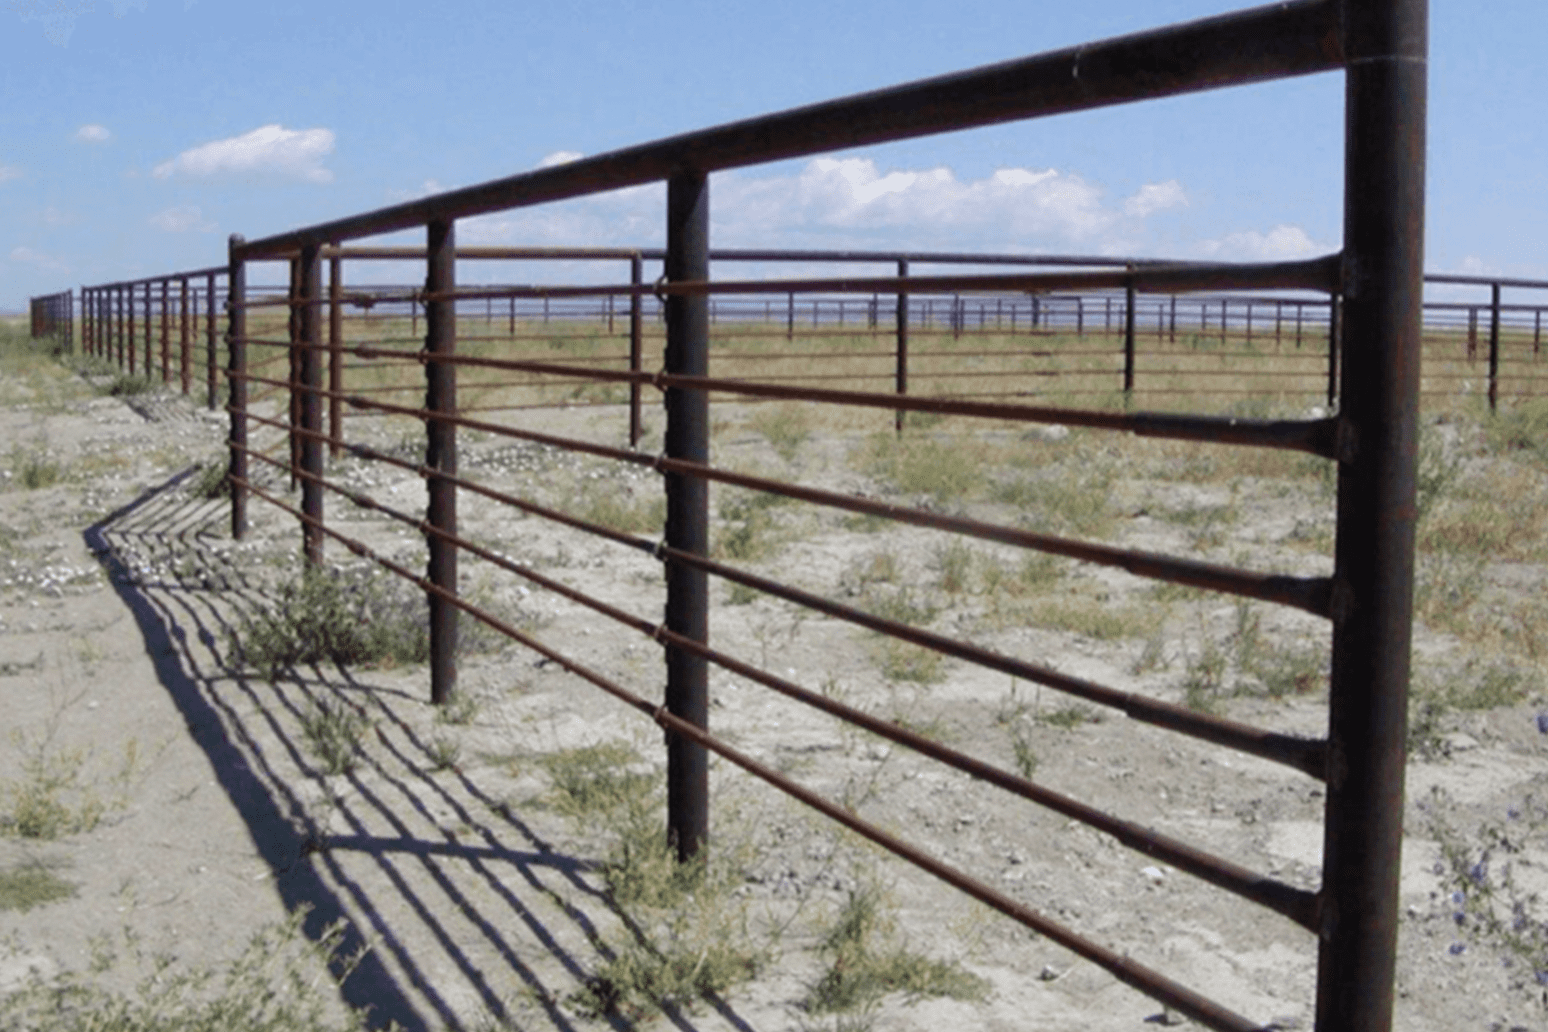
(483, 906)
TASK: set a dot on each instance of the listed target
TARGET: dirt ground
(481, 906)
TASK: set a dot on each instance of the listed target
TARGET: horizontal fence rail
(997, 339)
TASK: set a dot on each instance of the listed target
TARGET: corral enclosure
(1024, 514)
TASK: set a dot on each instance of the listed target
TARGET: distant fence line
(138, 319)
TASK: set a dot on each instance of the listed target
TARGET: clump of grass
(786, 427)
(211, 482)
(1070, 717)
(865, 963)
(747, 529)
(1095, 619)
(325, 616)
(33, 468)
(943, 470)
(460, 709)
(693, 937)
(333, 731)
(1520, 428)
(30, 885)
(1026, 756)
(1062, 499)
(953, 564)
(1204, 678)
(127, 385)
(55, 796)
(617, 509)
(281, 982)
(902, 661)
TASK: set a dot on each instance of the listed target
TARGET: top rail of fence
(1261, 43)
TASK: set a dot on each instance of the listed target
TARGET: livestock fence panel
(297, 352)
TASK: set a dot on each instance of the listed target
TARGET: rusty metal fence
(292, 345)
(54, 316)
(1239, 348)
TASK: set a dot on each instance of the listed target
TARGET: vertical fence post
(790, 316)
(902, 371)
(294, 352)
(118, 323)
(209, 341)
(236, 356)
(1385, 46)
(335, 356)
(309, 432)
(1128, 339)
(150, 332)
(166, 331)
(1335, 334)
(441, 451)
(131, 344)
(636, 344)
(687, 524)
(185, 342)
(1472, 332)
(1494, 346)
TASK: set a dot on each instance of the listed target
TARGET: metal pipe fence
(1371, 292)
(53, 315)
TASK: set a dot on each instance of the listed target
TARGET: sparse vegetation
(865, 962)
(32, 884)
(333, 730)
(280, 982)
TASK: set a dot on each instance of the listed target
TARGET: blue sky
(136, 134)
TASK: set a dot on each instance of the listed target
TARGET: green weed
(334, 731)
(865, 963)
(944, 470)
(54, 795)
(30, 885)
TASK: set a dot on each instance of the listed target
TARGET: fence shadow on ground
(469, 912)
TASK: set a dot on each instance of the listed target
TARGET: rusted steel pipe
(687, 500)
(308, 449)
(441, 456)
(236, 350)
(1382, 296)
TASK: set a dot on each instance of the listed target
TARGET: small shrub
(54, 797)
(329, 617)
(1070, 717)
(946, 471)
(1026, 756)
(443, 752)
(333, 731)
(211, 482)
(126, 385)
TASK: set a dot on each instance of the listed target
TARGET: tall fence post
(236, 352)
(1494, 346)
(636, 345)
(209, 342)
(1335, 334)
(687, 521)
(309, 432)
(184, 341)
(441, 451)
(902, 371)
(1128, 339)
(166, 331)
(1386, 54)
(150, 331)
(294, 353)
(335, 356)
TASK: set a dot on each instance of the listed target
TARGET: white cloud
(8, 172)
(93, 134)
(184, 218)
(273, 149)
(52, 216)
(563, 157)
(1280, 244)
(1154, 197)
(42, 261)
